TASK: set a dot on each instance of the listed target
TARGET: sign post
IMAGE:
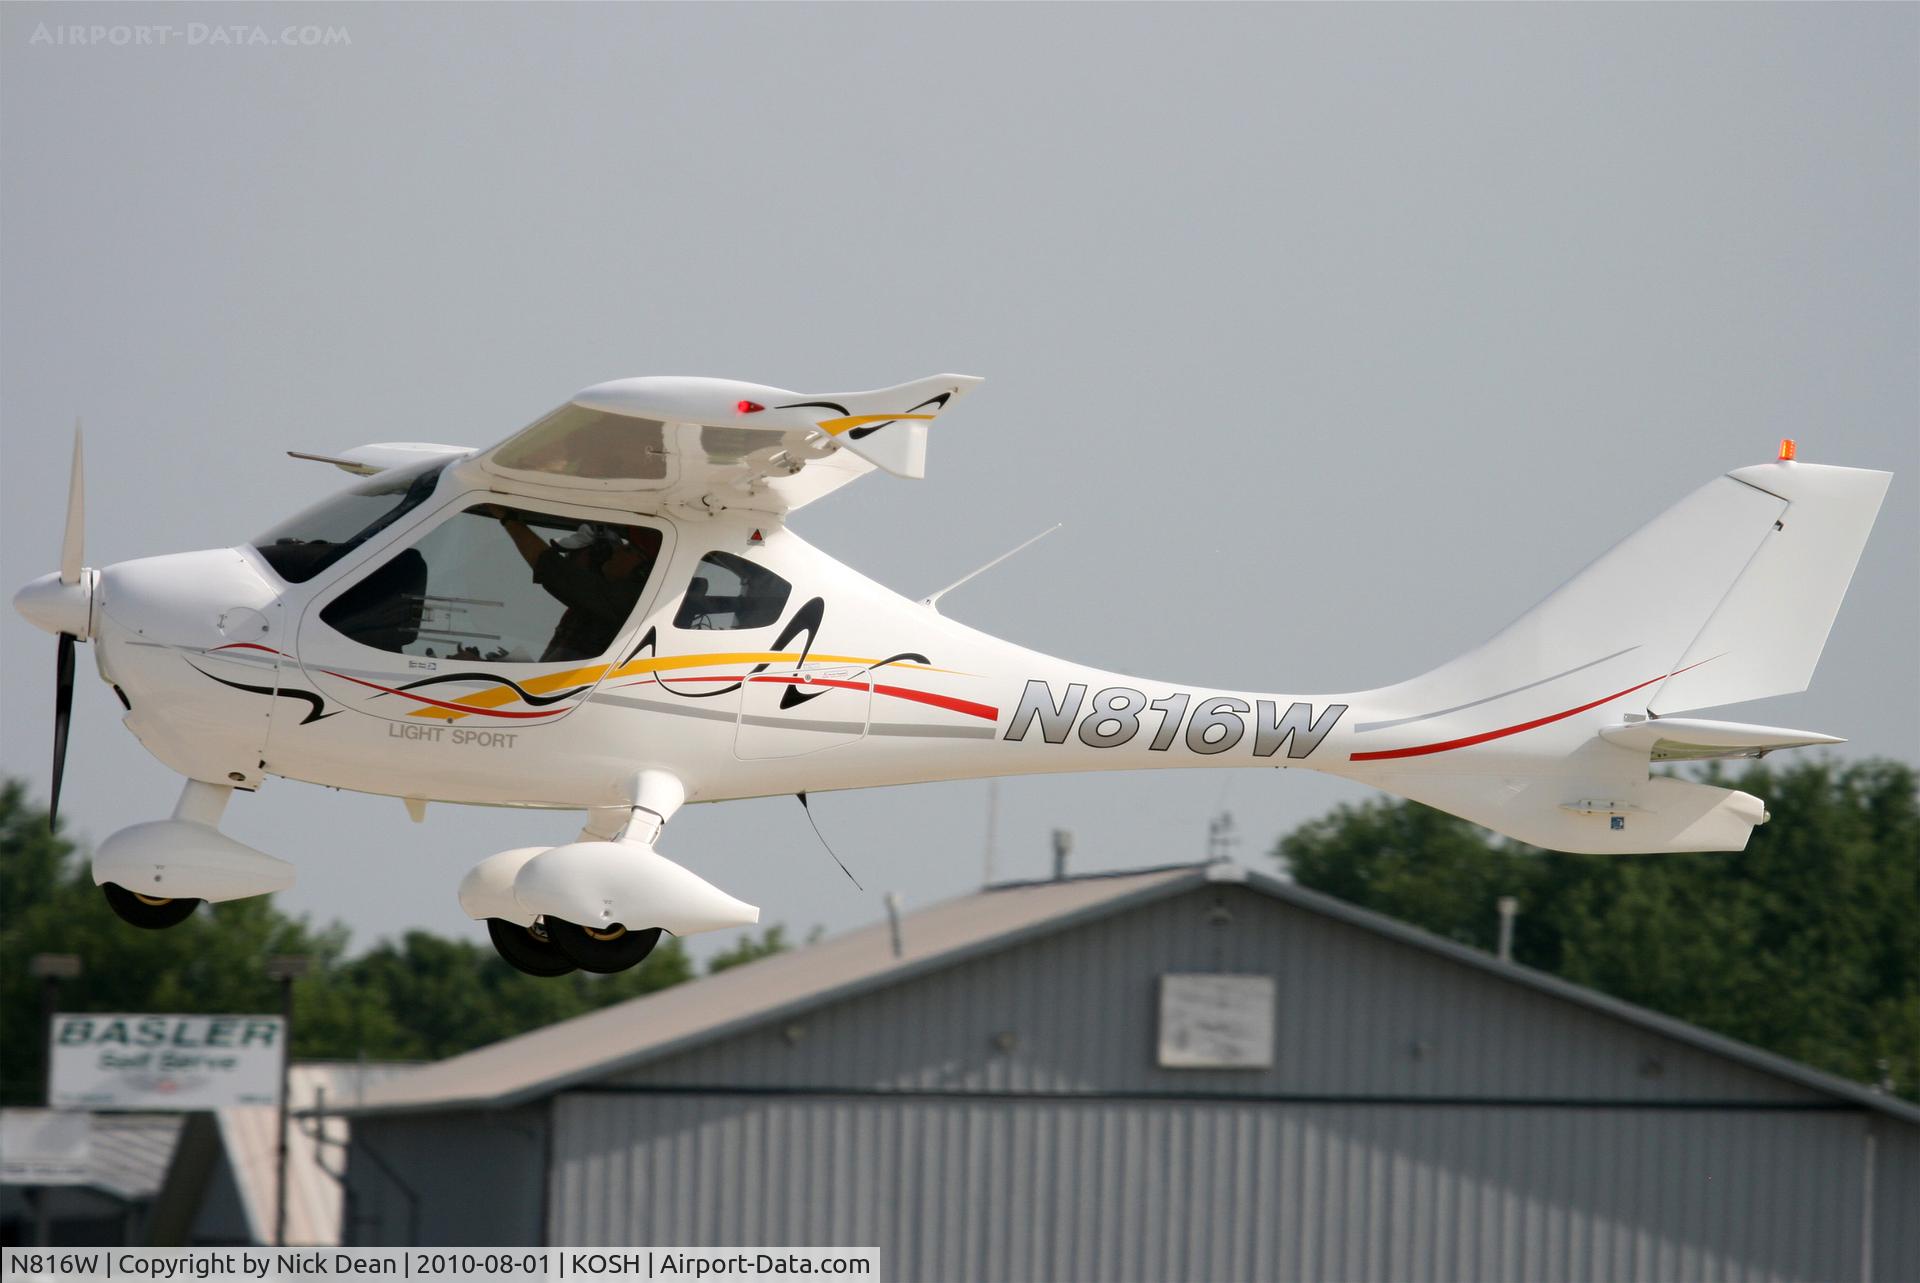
(286, 968)
(51, 969)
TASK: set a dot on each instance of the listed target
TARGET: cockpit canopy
(510, 584)
(315, 538)
(576, 444)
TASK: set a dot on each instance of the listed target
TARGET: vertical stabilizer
(1766, 634)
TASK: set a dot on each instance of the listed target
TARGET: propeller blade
(62, 714)
(72, 549)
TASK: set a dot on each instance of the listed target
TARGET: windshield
(304, 545)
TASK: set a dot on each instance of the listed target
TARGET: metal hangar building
(1199, 1072)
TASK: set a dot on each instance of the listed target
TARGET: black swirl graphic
(314, 702)
(651, 643)
(525, 696)
(808, 620)
(871, 428)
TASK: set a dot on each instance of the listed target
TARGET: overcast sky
(1337, 336)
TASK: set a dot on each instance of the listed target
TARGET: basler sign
(137, 1061)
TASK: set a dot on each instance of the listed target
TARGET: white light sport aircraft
(606, 612)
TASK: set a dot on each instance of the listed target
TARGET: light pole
(1508, 907)
(50, 969)
(286, 968)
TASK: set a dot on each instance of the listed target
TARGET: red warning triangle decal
(756, 537)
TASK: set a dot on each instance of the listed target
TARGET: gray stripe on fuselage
(625, 701)
(932, 732)
(791, 724)
(249, 658)
(1422, 717)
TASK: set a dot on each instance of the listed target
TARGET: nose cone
(59, 608)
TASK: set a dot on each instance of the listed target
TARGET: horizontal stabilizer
(1616, 817)
(1693, 739)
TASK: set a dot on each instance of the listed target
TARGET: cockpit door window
(729, 592)
(502, 585)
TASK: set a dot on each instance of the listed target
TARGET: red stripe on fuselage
(1444, 746)
(984, 711)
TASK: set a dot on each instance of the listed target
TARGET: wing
(718, 443)
(365, 460)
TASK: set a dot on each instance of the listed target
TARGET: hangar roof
(619, 1038)
(125, 1154)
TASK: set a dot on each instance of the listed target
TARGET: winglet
(888, 426)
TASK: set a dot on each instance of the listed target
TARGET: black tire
(149, 913)
(527, 948)
(603, 950)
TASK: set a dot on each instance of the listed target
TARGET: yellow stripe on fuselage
(499, 695)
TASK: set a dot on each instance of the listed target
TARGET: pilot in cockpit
(597, 572)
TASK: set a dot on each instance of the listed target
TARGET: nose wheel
(152, 913)
(604, 950)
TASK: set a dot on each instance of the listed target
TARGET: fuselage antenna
(932, 602)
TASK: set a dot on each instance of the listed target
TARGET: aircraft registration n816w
(606, 612)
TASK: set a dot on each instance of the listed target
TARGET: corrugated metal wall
(1896, 1202)
(1158, 1190)
(1359, 1014)
(475, 1179)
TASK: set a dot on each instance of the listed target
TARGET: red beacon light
(748, 407)
(1788, 449)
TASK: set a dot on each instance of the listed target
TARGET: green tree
(749, 948)
(1410, 862)
(1807, 943)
